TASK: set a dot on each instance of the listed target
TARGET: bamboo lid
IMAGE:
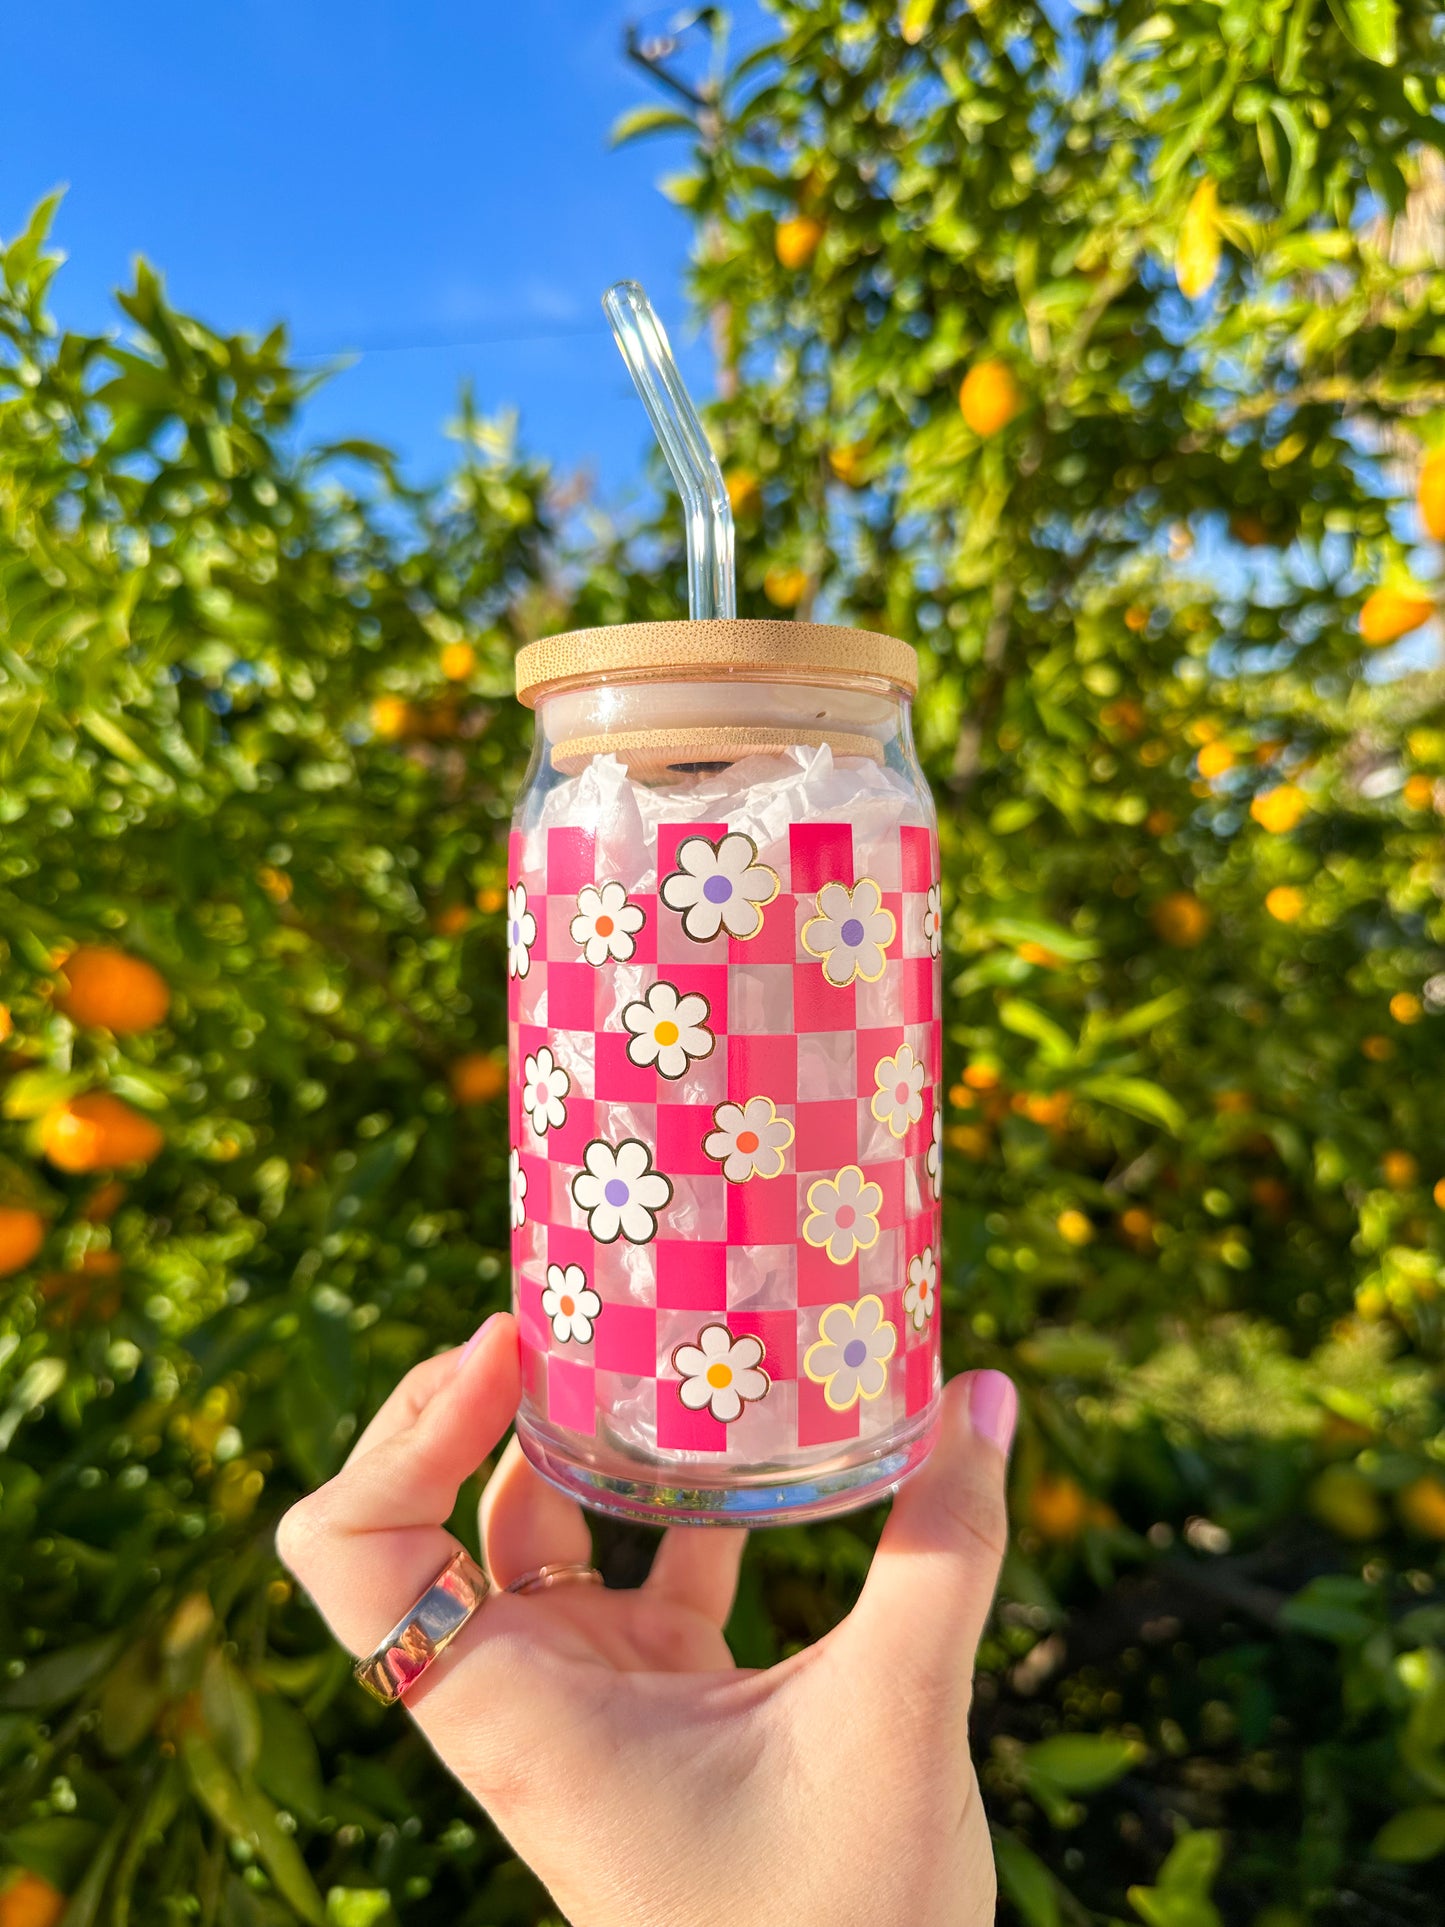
(716, 649)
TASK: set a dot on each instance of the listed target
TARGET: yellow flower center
(666, 1032)
(719, 1375)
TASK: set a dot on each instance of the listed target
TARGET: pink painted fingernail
(993, 1408)
(476, 1338)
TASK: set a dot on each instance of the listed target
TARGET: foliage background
(1193, 879)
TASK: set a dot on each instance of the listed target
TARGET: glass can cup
(724, 973)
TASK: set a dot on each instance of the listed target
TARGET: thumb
(932, 1581)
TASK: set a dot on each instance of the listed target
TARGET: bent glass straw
(711, 569)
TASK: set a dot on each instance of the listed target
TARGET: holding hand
(647, 1780)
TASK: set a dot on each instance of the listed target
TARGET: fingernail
(993, 1408)
(476, 1338)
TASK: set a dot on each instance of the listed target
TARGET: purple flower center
(852, 933)
(615, 1192)
(516, 931)
(854, 1352)
(717, 889)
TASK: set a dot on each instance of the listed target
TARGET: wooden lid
(716, 649)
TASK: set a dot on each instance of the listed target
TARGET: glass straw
(711, 569)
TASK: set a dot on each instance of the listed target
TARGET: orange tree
(1101, 363)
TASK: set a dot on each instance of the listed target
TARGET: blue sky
(429, 182)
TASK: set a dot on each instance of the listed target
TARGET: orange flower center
(719, 1375)
(747, 1141)
(568, 1305)
(666, 1032)
(605, 926)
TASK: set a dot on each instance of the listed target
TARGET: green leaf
(1027, 1020)
(1081, 1762)
(1369, 26)
(1335, 1608)
(246, 1814)
(1139, 1098)
(1415, 1835)
(1026, 1881)
(358, 1907)
(232, 1718)
(1181, 1897)
(62, 1676)
(640, 121)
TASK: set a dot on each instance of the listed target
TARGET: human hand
(647, 1780)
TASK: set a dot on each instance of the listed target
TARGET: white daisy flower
(720, 886)
(850, 932)
(933, 1163)
(570, 1302)
(843, 1214)
(544, 1085)
(668, 1029)
(918, 1293)
(521, 932)
(850, 1359)
(748, 1140)
(720, 1372)
(933, 920)
(606, 924)
(620, 1191)
(898, 1100)
(517, 1179)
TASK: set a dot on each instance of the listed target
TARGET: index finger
(368, 1544)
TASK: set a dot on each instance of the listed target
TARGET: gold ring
(424, 1634)
(545, 1577)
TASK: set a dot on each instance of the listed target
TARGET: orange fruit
(1136, 618)
(72, 1294)
(490, 899)
(742, 487)
(1285, 903)
(981, 1077)
(1422, 1506)
(1181, 919)
(112, 990)
(391, 717)
(785, 588)
(458, 660)
(97, 1132)
(1379, 1050)
(1057, 1507)
(848, 462)
(1388, 614)
(277, 885)
(796, 240)
(29, 1901)
(1270, 1194)
(1137, 1226)
(990, 397)
(1074, 1228)
(452, 921)
(1431, 494)
(1279, 809)
(7, 1022)
(104, 1201)
(1215, 759)
(1405, 1008)
(478, 1077)
(1037, 953)
(1399, 1170)
(22, 1232)
(1420, 792)
(1252, 530)
(969, 1139)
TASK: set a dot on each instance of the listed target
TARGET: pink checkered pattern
(724, 1253)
